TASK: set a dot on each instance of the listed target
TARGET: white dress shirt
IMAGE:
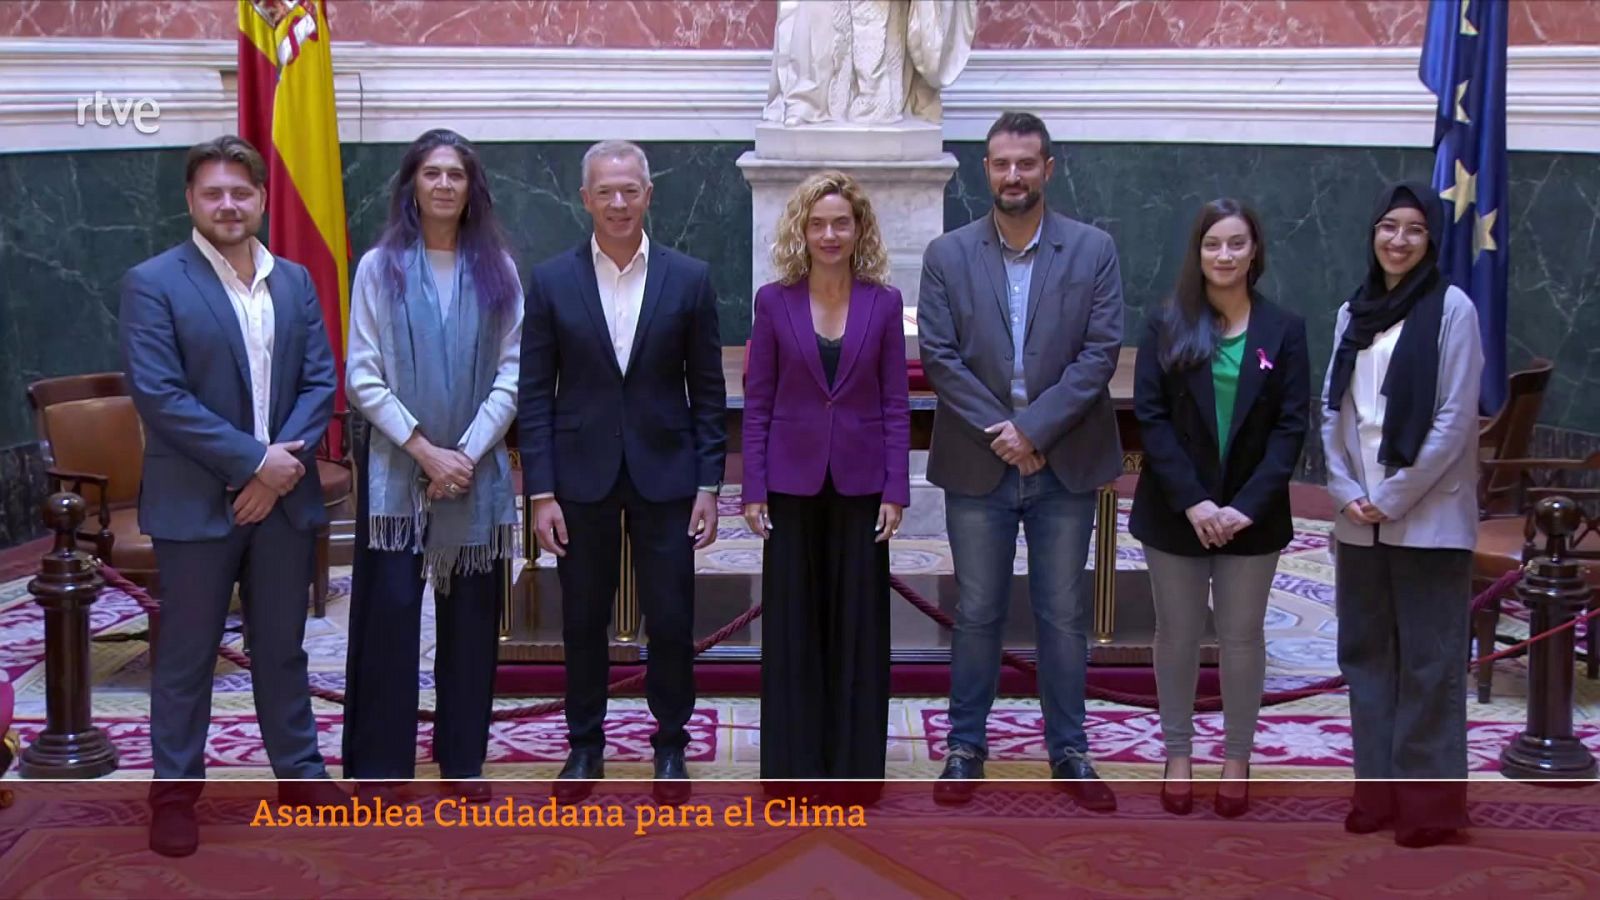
(1366, 389)
(621, 294)
(366, 378)
(252, 306)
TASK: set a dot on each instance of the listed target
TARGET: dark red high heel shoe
(1230, 807)
(1177, 804)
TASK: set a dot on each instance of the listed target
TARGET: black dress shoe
(313, 792)
(1076, 776)
(1426, 837)
(959, 780)
(577, 778)
(1362, 822)
(474, 790)
(671, 786)
(173, 829)
(392, 793)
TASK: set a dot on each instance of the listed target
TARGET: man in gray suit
(1020, 325)
(232, 374)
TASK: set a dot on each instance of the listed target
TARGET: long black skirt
(825, 639)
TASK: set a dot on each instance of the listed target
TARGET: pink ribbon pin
(1261, 356)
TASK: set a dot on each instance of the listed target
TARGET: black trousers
(1403, 632)
(824, 639)
(381, 690)
(271, 561)
(663, 560)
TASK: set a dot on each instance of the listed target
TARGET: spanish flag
(286, 110)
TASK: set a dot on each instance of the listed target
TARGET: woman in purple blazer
(827, 444)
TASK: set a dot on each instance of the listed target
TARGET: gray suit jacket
(1434, 502)
(1070, 349)
(190, 380)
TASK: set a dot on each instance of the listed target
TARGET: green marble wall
(71, 223)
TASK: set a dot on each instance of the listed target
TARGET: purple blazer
(796, 429)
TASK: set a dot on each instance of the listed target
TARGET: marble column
(904, 170)
(902, 167)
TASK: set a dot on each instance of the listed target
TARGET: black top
(829, 349)
(1184, 462)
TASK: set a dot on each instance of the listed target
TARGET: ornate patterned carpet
(1306, 738)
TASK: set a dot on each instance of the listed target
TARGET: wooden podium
(1123, 620)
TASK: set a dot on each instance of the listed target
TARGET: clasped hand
(449, 472)
(1014, 448)
(1216, 526)
(1364, 512)
(280, 471)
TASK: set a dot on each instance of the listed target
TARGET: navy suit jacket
(579, 416)
(190, 380)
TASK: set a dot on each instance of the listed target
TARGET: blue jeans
(983, 543)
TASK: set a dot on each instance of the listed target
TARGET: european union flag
(1464, 65)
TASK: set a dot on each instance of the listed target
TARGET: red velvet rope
(140, 596)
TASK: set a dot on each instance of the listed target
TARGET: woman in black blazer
(1222, 392)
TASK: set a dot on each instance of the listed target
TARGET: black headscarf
(1413, 378)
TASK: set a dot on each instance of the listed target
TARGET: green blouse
(1225, 383)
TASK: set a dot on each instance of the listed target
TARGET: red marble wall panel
(747, 24)
(1103, 24)
(689, 24)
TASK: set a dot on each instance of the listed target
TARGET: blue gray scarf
(442, 369)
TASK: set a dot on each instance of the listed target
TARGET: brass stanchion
(1105, 565)
(68, 582)
(626, 609)
(1554, 590)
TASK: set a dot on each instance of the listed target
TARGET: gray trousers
(1402, 649)
(271, 562)
(1238, 586)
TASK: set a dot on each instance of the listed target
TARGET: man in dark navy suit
(621, 409)
(232, 374)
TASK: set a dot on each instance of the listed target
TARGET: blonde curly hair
(790, 258)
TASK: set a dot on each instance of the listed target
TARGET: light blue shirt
(1019, 277)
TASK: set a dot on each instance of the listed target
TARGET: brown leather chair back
(102, 436)
(47, 392)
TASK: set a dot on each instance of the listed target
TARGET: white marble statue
(866, 62)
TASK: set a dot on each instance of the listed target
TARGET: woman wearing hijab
(436, 322)
(1222, 392)
(1401, 433)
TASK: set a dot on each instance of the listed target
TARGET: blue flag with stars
(1464, 65)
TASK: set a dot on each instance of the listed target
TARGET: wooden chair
(336, 469)
(91, 437)
(1506, 436)
(93, 444)
(1507, 542)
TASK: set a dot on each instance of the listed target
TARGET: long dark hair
(1189, 326)
(481, 241)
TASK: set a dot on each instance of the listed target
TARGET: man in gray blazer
(1020, 325)
(230, 369)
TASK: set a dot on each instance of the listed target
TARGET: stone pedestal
(902, 167)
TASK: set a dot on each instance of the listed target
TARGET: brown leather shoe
(173, 829)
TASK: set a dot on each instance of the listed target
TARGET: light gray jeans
(1238, 587)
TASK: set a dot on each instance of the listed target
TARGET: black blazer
(579, 416)
(1177, 414)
